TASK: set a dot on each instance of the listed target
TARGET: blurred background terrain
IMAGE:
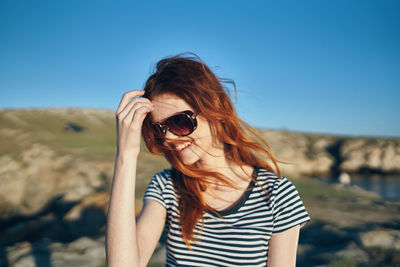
(320, 80)
(56, 170)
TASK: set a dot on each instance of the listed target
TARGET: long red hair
(188, 78)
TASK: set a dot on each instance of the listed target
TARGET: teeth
(182, 146)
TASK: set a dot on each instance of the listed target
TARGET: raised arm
(129, 243)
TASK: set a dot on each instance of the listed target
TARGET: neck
(238, 175)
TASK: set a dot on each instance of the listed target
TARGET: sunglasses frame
(163, 126)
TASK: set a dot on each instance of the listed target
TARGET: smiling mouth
(182, 146)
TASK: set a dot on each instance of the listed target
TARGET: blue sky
(312, 66)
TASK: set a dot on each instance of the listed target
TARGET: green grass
(19, 129)
(46, 127)
(314, 189)
(98, 143)
(343, 262)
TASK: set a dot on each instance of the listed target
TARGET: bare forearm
(122, 247)
(122, 244)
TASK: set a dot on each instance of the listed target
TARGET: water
(387, 186)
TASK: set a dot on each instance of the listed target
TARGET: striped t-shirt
(239, 236)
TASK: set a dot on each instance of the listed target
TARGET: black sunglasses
(180, 124)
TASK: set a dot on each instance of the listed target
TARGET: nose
(170, 136)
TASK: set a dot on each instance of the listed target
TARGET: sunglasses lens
(181, 124)
(160, 129)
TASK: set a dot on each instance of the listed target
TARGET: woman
(222, 203)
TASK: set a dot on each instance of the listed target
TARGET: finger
(133, 101)
(127, 97)
(140, 114)
(128, 118)
(136, 101)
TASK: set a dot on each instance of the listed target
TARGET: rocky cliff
(321, 155)
(41, 160)
(56, 169)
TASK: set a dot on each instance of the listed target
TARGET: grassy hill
(339, 214)
(20, 128)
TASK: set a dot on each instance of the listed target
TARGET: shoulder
(161, 187)
(164, 176)
(161, 180)
(272, 183)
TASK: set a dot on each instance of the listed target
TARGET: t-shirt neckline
(242, 200)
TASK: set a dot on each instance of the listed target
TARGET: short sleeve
(156, 188)
(288, 209)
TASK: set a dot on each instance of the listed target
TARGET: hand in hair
(129, 243)
(129, 116)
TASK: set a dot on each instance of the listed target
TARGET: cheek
(204, 135)
(202, 125)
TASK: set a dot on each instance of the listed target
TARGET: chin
(189, 161)
(189, 158)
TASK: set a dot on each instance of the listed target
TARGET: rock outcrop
(38, 174)
(84, 251)
(370, 155)
(381, 238)
(53, 203)
(301, 154)
(311, 155)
